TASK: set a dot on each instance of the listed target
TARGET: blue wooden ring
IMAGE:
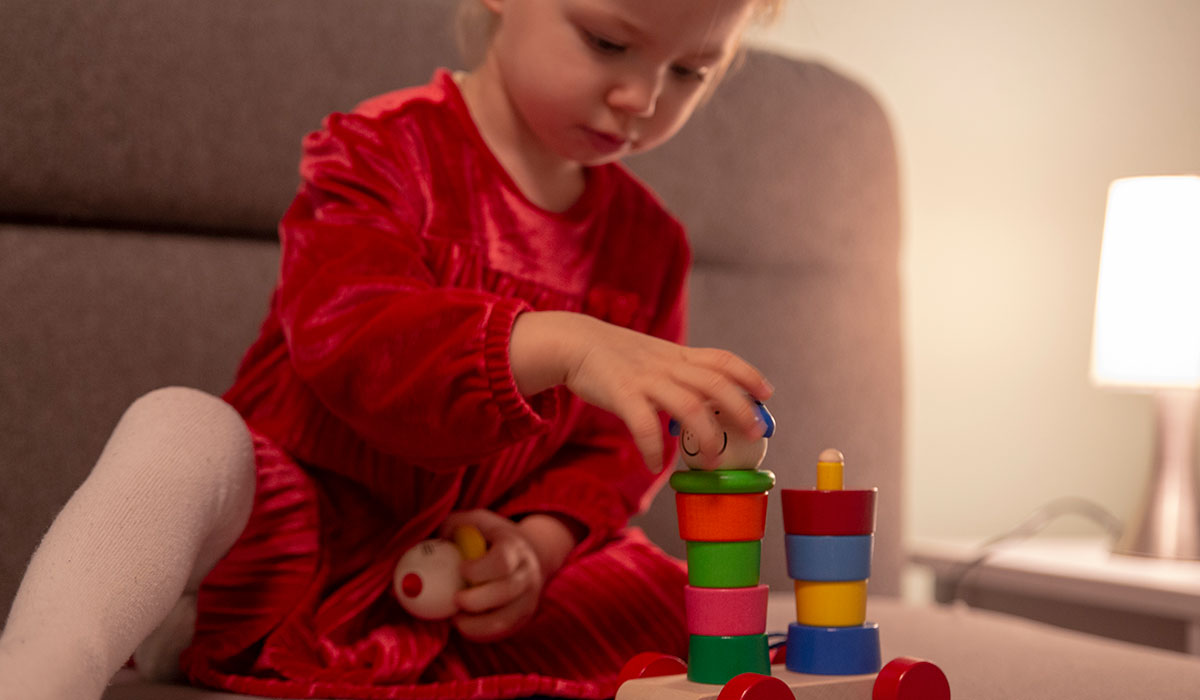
(833, 651)
(829, 557)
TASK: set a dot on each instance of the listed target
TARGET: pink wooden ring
(726, 612)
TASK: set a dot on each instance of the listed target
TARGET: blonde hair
(474, 25)
(766, 12)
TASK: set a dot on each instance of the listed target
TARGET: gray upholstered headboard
(149, 147)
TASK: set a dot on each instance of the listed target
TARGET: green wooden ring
(724, 564)
(723, 481)
(717, 660)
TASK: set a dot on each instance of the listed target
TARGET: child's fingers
(646, 428)
(731, 365)
(693, 411)
(495, 593)
(495, 609)
(491, 526)
(503, 555)
(501, 561)
(723, 396)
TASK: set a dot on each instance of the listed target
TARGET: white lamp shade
(1147, 329)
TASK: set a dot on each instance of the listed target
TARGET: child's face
(595, 80)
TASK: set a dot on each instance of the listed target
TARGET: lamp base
(1167, 524)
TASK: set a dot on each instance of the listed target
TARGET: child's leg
(169, 495)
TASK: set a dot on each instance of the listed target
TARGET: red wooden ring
(812, 512)
(721, 517)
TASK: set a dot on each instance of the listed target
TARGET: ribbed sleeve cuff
(522, 415)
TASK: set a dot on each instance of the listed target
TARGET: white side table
(1075, 583)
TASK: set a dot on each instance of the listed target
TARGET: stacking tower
(722, 515)
(830, 533)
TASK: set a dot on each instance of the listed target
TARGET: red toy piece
(649, 664)
(779, 654)
(755, 686)
(813, 512)
(907, 678)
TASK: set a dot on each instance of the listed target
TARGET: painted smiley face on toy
(427, 577)
(689, 444)
(737, 451)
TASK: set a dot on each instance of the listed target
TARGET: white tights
(168, 497)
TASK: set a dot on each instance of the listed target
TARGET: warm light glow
(1147, 331)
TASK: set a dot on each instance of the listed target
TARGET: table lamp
(1147, 338)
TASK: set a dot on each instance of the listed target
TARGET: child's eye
(603, 45)
(685, 73)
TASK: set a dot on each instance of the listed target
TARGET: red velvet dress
(381, 400)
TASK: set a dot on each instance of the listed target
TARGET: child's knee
(179, 403)
(197, 433)
(190, 416)
(195, 446)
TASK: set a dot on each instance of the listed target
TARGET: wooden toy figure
(428, 575)
(738, 451)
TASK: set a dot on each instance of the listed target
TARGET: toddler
(476, 322)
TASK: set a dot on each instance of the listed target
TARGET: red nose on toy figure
(428, 575)
(411, 585)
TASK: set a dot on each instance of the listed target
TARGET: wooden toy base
(802, 685)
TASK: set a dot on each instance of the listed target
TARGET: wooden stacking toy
(722, 514)
(829, 538)
(832, 653)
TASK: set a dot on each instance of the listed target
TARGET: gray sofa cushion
(92, 319)
(188, 115)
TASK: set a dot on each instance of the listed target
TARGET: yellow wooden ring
(831, 603)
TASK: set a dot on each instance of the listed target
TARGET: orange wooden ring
(721, 517)
(812, 512)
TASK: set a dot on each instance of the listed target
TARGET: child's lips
(605, 141)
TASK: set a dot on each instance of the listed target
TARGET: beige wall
(1013, 116)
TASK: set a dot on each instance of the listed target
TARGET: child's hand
(635, 375)
(506, 583)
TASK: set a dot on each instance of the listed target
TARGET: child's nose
(637, 94)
